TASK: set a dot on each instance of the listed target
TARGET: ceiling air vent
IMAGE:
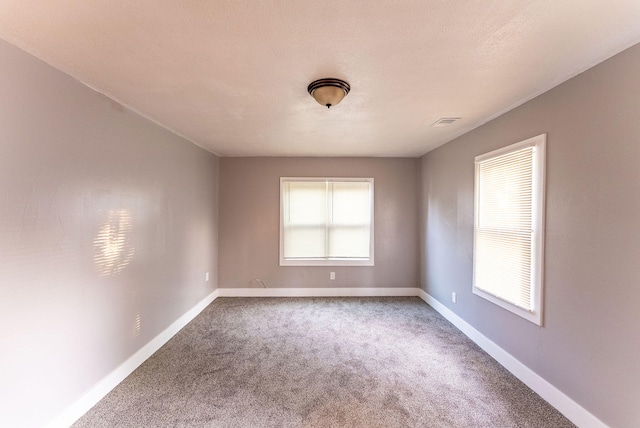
(445, 121)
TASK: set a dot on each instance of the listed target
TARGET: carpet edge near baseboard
(563, 403)
(104, 386)
(558, 399)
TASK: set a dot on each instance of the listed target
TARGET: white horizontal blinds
(327, 219)
(504, 230)
(305, 219)
(350, 219)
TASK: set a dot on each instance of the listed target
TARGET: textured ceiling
(231, 76)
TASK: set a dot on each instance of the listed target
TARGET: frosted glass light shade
(328, 92)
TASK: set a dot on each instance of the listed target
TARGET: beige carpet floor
(321, 362)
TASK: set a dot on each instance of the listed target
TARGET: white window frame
(370, 261)
(538, 221)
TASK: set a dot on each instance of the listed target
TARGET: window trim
(538, 222)
(335, 261)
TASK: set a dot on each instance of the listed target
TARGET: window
(326, 221)
(509, 227)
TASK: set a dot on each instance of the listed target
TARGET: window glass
(326, 221)
(508, 227)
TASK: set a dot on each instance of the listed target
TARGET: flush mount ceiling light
(328, 92)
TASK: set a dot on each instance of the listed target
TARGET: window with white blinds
(326, 221)
(508, 229)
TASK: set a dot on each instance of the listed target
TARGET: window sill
(326, 262)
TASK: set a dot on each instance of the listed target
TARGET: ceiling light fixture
(328, 92)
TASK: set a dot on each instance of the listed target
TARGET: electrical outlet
(206, 277)
(332, 276)
(454, 297)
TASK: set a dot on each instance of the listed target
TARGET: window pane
(305, 242)
(349, 241)
(503, 266)
(307, 203)
(351, 203)
(506, 191)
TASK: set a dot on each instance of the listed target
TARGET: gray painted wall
(78, 169)
(590, 342)
(104, 218)
(249, 222)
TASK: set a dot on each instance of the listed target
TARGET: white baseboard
(572, 410)
(565, 405)
(319, 292)
(102, 388)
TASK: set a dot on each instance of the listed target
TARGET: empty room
(320, 214)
